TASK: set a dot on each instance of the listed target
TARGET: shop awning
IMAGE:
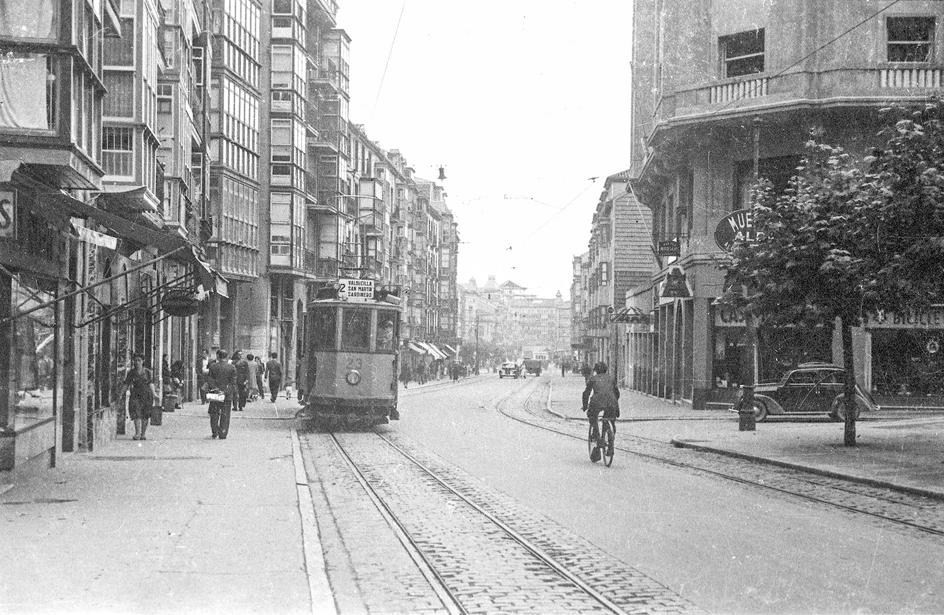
(436, 352)
(417, 349)
(451, 349)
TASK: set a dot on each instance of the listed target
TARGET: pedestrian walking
(202, 367)
(563, 369)
(273, 373)
(252, 377)
(405, 375)
(260, 369)
(140, 381)
(421, 373)
(586, 372)
(221, 381)
(242, 384)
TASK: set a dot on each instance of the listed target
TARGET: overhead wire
(383, 76)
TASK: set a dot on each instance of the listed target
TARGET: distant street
(711, 543)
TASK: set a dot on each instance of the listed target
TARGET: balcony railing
(870, 85)
(326, 267)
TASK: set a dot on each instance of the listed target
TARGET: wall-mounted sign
(669, 248)
(728, 317)
(736, 226)
(675, 285)
(353, 289)
(931, 319)
(8, 214)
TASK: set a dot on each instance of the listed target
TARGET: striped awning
(450, 349)
(415, 348)
(439, 354)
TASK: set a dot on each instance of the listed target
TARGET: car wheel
(760, 411)
(838, 410)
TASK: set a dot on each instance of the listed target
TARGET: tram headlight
(353, 377)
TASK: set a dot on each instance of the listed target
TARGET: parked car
(810, 388)
(509, 369)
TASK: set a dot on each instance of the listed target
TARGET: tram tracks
(482, 553)
(906, 511)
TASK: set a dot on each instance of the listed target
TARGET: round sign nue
(736, 226)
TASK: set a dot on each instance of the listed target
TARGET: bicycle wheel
(609, 442)
(592, 445)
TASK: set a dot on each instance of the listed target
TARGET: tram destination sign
(353, 289)
(736, 226)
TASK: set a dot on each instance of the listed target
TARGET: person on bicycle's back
(601, 395)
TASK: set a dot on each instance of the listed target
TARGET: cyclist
(601, 394)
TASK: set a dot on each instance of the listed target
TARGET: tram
(351, 355)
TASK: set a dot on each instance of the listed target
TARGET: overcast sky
(522, 101)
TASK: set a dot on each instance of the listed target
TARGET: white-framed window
(910, 39)
(742, 53)
(118, 151)
(29, 91)
(165, 98)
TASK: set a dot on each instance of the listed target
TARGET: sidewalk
(901, 449)
(175, 523)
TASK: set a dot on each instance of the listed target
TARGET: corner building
(713, 83)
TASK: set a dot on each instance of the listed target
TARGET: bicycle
(603, 439)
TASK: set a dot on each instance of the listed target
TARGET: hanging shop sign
(736, 226)
(180, 302)
(669, 248)
(352, 289)
(931, 319)
(8, 214)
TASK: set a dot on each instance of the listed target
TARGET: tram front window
(355, 329)
(323, 328)
(386, 331)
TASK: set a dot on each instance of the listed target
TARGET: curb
(936, 495)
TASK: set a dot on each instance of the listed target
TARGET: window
(198, 66)
(282, 7)
(119, 102)
(25, 80)
(323, 331)
(742, 53)
(118, 151)
(910, 39)
(355, 334)
(30, 19)
(165, 98)
(120, 51)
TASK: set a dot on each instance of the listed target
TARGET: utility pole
(746, 419)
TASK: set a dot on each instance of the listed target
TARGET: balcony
(866, 86)
(326, 268)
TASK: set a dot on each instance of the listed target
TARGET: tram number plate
(355, 364)
(356, 290)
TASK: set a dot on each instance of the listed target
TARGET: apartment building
(720, 89)
(94, 263)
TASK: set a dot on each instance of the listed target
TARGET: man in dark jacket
(274, 374)
(242, 381)
(221, 378)
(601, 395)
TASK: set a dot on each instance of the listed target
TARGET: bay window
(28, 91)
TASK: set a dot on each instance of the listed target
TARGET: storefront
(906, 353)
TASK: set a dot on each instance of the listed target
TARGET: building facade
(101, 254)
(719, 90)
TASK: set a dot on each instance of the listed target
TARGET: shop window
(32, 351)
(910, 39)
(742, 53)
(28, 91)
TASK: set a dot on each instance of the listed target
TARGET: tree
(842, 243)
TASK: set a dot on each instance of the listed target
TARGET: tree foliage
(849, 238)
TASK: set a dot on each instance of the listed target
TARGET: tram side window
(387, 330)
(355, 329)
(323, 328)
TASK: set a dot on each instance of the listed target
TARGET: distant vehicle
(810, 388)
(533, 366)
(508, 369)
